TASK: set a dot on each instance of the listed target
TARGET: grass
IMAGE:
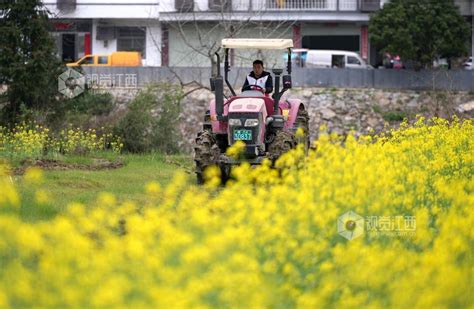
(394, 116)
(377, 109)
(75, 185)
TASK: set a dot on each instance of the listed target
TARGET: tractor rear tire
(206, 153)
(283, 142)
(302, 121)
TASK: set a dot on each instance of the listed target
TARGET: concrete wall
(461, 80)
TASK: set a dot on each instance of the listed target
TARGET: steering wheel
(254, 87)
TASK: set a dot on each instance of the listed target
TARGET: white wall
(108, 9)
(153, 45)
(100, 46)
(182, 51)
(153, 39)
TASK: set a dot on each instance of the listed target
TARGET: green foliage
(92, 103)
(377, 109)
(394, 116)
(142, 131)
(420, 31)
(28, 61)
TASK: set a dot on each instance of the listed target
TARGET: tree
(420, 30)
(28, 62)
(201, 38)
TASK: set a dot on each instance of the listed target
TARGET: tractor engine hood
(247, 105)
(247, 123)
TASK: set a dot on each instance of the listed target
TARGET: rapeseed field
(379, 221)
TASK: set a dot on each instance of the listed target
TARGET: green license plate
(242, 135)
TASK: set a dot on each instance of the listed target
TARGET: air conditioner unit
(220, 5)
(66, 5)
(369, 5)
(106, 33)
(184, 5)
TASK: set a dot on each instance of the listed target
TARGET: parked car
(122, 59)
(298, 57)
(468, 64)
(335, 59)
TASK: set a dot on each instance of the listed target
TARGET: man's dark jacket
(265, 81)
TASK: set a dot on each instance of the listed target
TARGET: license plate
(242, 135)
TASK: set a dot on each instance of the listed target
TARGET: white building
(185, 32)
(104, 26)
(323, 24)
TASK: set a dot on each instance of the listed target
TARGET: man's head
(258, 67)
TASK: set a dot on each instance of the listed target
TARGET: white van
(334, 59)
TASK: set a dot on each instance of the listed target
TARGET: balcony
(312, 5)
(277, 5)
(270, 10)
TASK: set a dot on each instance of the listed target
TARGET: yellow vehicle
(117, 59)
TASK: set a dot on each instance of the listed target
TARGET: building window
(103, 60)
(132, 39)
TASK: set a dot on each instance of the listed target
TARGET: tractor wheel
(206, 153)
(302, 121)
(283, 142)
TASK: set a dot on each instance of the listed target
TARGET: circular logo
(350, 225)
(71, 83)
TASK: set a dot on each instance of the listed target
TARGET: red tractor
(266, 125)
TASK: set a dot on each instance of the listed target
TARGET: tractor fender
(293, 105)
(218, 127)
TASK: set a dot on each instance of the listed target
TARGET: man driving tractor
(259, 77)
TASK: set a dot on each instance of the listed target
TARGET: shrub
(141, 130)
(92, 103)
(394, 116)
(33, 141)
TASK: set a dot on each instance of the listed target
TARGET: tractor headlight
(235, 122)
(251, 122)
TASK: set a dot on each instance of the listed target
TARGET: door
(68, 47)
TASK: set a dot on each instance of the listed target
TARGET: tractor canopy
(257, 43)
(217, 82)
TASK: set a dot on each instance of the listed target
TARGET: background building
(185, 32)
(322, 24)
(102, 27)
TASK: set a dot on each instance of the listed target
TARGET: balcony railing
(312, 5)
(283, 5)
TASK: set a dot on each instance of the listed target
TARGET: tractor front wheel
(302, 121)
(283, 142)
(206, 153)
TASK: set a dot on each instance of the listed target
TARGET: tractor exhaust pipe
(276, 93)
(219, 95)
(217, 85)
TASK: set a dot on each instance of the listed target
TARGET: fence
(457, 80)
